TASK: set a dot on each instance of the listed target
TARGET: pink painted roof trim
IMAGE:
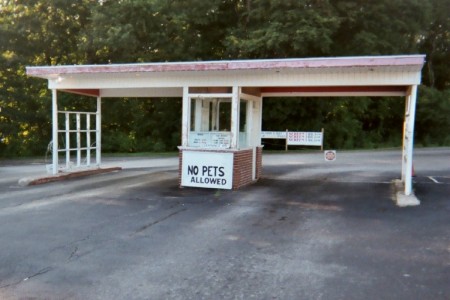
(332, 62)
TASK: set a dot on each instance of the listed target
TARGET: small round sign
(330, 155)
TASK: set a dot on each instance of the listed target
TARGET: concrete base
(63, 176)
(401, 199)
(406, 200)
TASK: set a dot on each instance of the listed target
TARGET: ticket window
(210, 123)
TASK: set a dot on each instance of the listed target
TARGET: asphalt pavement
(309, 229)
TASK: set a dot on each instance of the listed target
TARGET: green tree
(278, 29)
(436, 44)
(382, 27)
(432, 117)
(51, 32)
(36, 33)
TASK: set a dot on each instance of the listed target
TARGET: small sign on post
(330, 155)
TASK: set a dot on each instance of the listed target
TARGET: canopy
(397, 75)
(334, 76)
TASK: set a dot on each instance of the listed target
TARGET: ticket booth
(221, 144)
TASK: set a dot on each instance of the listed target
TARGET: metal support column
(249, 123)
(185, 117)
(410, 114)
(235, 105)
(259, 126)
(98, 132)
(88, 140)
(250, 134)
(78, 136)
(67, 119)
(54, 132)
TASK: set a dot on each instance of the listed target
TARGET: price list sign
(305, 138)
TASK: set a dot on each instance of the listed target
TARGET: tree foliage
(278, 28)
(53, 32)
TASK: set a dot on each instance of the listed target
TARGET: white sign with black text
(207, 169)
(305, 138)
(273, 134)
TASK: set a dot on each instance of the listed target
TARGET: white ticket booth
(221, 144)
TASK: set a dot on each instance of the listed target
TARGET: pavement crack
(145, 227)
(73, 253)
(10, 284)
(70, 244)
(38, 273)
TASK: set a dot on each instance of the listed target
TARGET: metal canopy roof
(333, 76)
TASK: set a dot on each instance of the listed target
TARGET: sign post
(321, 146)
(287, 143)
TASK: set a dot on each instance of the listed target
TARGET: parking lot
(309, 229)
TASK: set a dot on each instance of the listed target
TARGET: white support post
(256, 134)
(250, 134)
(67, 115)
(409, 138)
(78, 139)
(249, 122)
(185, 117)
(54, 132)
(88, 140)
(259, 121)
(256, 129)
(404, 143)
(235, 105)
(98, 132)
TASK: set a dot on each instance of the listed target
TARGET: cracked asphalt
(309, 229)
